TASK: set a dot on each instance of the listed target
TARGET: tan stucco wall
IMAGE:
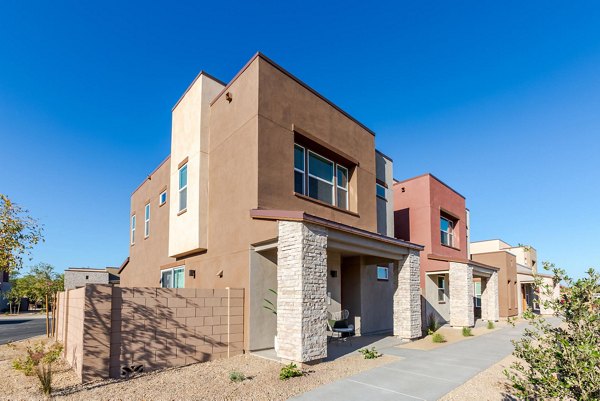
(507, 279)
(148, 254)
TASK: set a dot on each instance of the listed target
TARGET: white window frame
(441, 290)
(333, 178)
(387, 273)
(301, 171)
(450, 231)
(476, 295)
(160, 198)
(147, 220)
(338, 186)
(133, 221)
(181, 189)
(172, 271)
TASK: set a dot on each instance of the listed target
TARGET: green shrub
(237, 377)
(561, 361)
(438, 338)
(466, 332)
(490, 325)
(38, 361)
(432, 323)
(370, 353)
(289, 371)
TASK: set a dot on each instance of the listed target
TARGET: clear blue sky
(501, 100)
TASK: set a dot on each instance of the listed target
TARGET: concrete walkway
(422, 375)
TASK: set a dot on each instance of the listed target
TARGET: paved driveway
(422, 375)
(20, 328)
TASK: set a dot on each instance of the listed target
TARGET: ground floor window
(172, 278)
(383, 273)
(477, 292)
(441, 282)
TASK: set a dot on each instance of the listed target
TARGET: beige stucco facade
(238, 143)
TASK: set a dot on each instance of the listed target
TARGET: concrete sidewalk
(422, 375)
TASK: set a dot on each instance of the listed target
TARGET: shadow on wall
(429, 314)
(130, 330)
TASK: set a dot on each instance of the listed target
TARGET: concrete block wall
(152, 327)
(70, 318)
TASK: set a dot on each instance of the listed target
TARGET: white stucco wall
(187, 231)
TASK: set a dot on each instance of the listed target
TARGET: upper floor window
(162, 198)
(133, 229)
(446, 231)
(380, 190)
(323, 180)
(147, 220)
(172, 278)
(183, 188)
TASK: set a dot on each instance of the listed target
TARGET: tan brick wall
(154, 327)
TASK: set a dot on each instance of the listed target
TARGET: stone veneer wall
(301, 292)
(123, 328)
(407, 297)
(490, 307)
(461, 295)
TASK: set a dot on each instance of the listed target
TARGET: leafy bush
(289, 371)
(438, 338)
(466, 332)
(561, 362)
(370, 353)
(433, 323)
(490, 325)
(237, 377)
(39, 360)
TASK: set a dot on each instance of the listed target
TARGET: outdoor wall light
(228, 97)
(220, 274)
(192, 273)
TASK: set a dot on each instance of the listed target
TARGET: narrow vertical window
(183, 188)
(441, 282)
(446, 231)
(342, 187)
(299, 170)
(147, 221)
(477, 292)
(162, 199)
(133, 229)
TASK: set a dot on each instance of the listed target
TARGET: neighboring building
(271, 186)
(454, 289)
(4, 287)
(518, 266)
(76, 277)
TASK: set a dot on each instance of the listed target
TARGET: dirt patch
(203, 381)
(489, 385)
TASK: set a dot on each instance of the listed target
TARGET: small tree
(561, 362)
(19, 233)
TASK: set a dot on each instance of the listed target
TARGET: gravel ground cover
(203, 381)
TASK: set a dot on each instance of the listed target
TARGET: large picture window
(172, 278)
(183, 188)
(447, 231)
(320, 178)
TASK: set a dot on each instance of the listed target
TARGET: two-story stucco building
(270, 186)
(454, 288)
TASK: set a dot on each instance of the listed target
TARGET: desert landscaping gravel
(203, 381)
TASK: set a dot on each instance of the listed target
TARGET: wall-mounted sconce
(192, 273)
(228, 97)
(220, 274)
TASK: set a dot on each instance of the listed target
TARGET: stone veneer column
(301, 292)
(489, 299)
(461, 295)
(407, 297)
